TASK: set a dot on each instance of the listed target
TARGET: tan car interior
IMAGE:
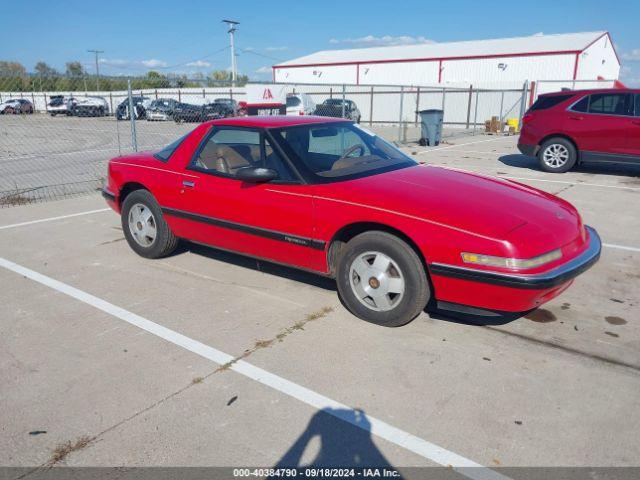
(228, 158)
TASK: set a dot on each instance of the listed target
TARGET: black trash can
(431, 123)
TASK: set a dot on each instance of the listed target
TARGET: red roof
(274, 121)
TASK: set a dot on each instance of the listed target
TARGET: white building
(483, 63)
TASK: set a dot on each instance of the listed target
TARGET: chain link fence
(55, 144)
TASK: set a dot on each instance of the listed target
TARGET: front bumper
(510, 291)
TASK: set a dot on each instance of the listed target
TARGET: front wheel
(381, 279)
(144, 226)
(557, 155)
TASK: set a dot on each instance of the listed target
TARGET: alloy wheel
(555, 155)
(376, 281)
(142, 225)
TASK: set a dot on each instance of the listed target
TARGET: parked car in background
(231, 103)
(324, 195)
(570, 127)
(300, 104)
(140, 105)
(15, 106)
(161, 109)
(60, 105)
(186, 112)
(333, 107)
(90, 107)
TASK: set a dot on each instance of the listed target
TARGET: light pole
(96, 52)
(232, 29)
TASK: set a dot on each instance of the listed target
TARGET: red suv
(570, 127)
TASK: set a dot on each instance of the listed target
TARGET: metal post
(415, 119)
(371, 108)
(344, 91)
(400, 117)
(475, 115)
(97, 68)
(444, 93)
(501, 105)
(132, 116)
(523, 100)
(232, 29)
(469, 105)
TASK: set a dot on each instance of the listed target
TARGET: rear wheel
(557, 155)
(144, 226)
(381, 279)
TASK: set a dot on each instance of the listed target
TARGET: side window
(610, 103)
(582, 105)
(229, 150)
(637, 104)
(273, 161)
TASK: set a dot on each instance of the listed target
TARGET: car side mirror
(256, 174)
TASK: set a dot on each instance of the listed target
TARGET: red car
(571, 127)
(328, 196)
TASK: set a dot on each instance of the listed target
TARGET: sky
(188, 36)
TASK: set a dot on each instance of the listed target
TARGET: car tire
(399, 292)
(557, 155)
(144, 227)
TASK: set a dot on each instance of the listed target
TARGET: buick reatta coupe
(329, 196)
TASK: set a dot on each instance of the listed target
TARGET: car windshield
(160, 103)
(333, 101)
(334, 150)
(293, 102)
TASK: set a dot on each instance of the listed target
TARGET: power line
(270, 57)
(135, 67)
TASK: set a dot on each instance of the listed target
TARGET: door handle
(576, 117)
(188, 183)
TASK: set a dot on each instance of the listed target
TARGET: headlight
(512, 263)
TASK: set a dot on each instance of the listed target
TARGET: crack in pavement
(564, 348)
(63, 450)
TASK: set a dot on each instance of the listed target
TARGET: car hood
(482, 205)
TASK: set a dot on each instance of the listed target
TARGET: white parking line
(578, 184)
(621, 247)
(462, 145)
(51, 219)
(381, 429)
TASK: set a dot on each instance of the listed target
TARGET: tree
(12, 69)
(75, 69)
(221, 76)
(44, 70)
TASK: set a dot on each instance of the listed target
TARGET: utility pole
(96, 52)
(232, 29)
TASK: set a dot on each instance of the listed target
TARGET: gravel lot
(211, 359)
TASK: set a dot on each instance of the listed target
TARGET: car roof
(275, 121)
(592, 90)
